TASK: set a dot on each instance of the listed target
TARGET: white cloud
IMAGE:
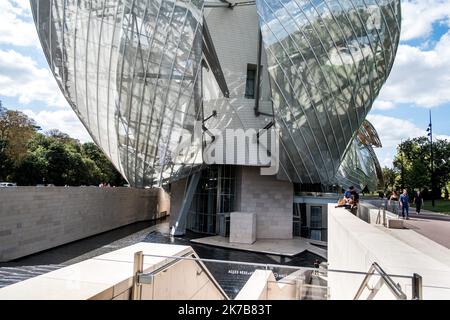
(392, 131)
(419, 15)
(443, 137)
(63, 120)
(16, 24)
(419, 77)
(21, 77)
(383, 105)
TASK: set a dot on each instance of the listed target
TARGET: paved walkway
(434, 226)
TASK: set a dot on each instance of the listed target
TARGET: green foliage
(29, 157)
(442, 206)
(17, 129)
(412, 165)
(390, 176)
(6, 163)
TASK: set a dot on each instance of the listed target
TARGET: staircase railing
(392, 286)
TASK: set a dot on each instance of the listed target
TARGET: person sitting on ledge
(345, 202)
(354, 202)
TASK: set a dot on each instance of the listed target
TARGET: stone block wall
(242, 227)
(270, 199)
(33, 219)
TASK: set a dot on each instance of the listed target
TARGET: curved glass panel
(327, 62)
(130, 70)
(360, 167)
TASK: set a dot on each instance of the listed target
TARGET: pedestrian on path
(418, 200)
(404, 203)
(393, 202)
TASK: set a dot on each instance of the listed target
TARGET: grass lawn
(442, 206)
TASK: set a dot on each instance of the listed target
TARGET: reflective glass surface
(130, 70)
(360, 167)
(327, 62)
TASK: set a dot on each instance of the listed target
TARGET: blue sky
(419, 81)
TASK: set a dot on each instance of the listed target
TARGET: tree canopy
(412, 167)
(29, 157)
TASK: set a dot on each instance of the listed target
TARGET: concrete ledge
(355, 245)
(395, 224)
(110, 277)
(256, 287)
(101, 278)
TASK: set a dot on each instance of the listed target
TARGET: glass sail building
(160, 84)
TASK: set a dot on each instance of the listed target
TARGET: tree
(16, 128)
(29, 157)
(413, 162)
(33, 169)
(390, 177)
(109, 172)
(6, 164)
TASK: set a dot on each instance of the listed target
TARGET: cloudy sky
(420, 79)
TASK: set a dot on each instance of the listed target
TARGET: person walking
(404, 203)
(393, 202)
(418, 200)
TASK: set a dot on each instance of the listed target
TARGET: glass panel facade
(327, 62)
(130, 70)
(360, 167)
(316, 217)
(215, 194)
(300, 221)
(316, 234)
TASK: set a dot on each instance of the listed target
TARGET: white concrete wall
(110, 277)
(354, 244)
(184, 279)
(235, 37)
(262, 285)
(33, 219)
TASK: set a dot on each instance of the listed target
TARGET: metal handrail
(386, 278)
(393, 287)
(268, 265)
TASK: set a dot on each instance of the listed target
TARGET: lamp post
(402, 173)
(430, 134)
